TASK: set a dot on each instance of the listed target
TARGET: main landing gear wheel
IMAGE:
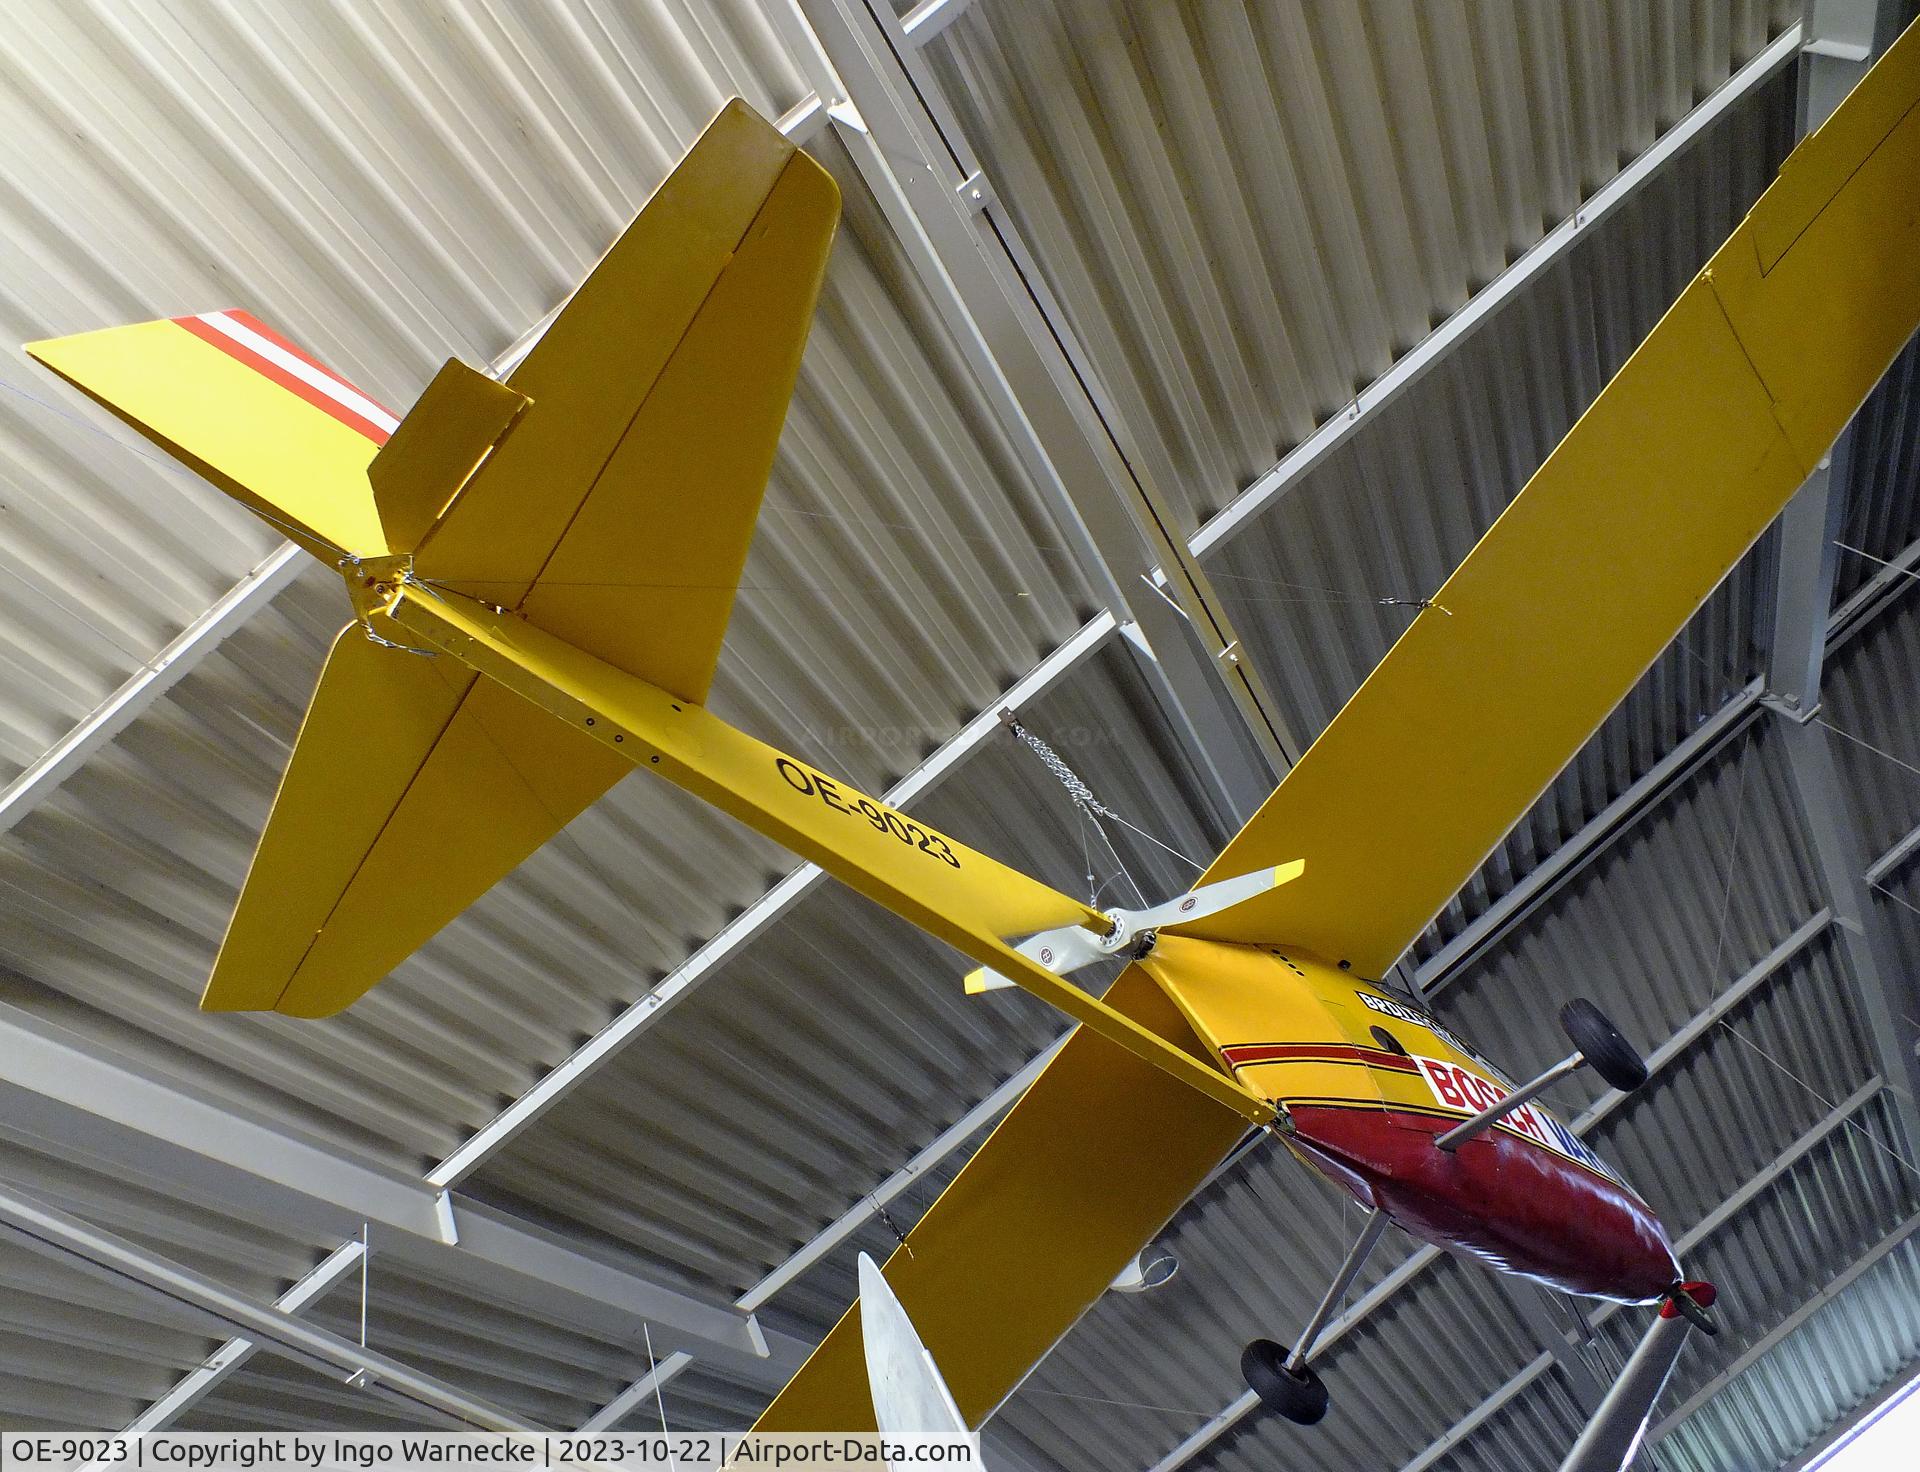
(1599, 1041)
(1299, 1395)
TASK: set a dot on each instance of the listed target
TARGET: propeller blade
(1071, 947)
(1060, 951)
(1211, 899)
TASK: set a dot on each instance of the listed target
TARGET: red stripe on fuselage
(1245, 1055)
(240, 353)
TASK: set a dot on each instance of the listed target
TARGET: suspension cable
(1091, 808)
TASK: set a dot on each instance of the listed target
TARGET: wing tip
(289, 1000)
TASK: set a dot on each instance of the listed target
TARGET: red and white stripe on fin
(285, 436)
(249, 340)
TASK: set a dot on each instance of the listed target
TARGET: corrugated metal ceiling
(1249, 210)
(1246, 212)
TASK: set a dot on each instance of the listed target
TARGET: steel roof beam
(155, 678)
(57, 1089)
(1893, 860)
(1864, 604)
(1870, 953)
(1839, 41)
(1805, 559)
(1041, 390)
(1842, 39)
(636, 1395)
(193, 1387)
(82, 1245)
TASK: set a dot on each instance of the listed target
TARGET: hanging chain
(1091, 808)
(1077, 789)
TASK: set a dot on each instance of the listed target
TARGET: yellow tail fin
(619, 512)
(607, 494)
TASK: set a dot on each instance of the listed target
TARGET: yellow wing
(618, 513)
(1095, 1158)
(1646, 505)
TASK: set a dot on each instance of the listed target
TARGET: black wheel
(1600, 1043)
(1299, 1395)
(1691, 1301)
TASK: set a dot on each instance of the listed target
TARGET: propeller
(1071, 946)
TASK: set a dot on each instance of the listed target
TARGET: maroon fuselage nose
(1510, 1202)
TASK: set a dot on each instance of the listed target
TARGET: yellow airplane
(541, 572)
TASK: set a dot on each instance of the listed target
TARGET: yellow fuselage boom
(951, 891)
(1360, 1081)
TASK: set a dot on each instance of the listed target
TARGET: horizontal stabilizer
(414, 786)
(229, 397)
(618, 513)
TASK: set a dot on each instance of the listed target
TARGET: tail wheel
(1299, 1395)
(1600, 1043)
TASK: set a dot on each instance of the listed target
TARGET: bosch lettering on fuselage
(1400, 1012)
(1466, 1092)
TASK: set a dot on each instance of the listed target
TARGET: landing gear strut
(1600, 1047)
(1282, 1378)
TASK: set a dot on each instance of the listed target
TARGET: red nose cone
(1509, 1201)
